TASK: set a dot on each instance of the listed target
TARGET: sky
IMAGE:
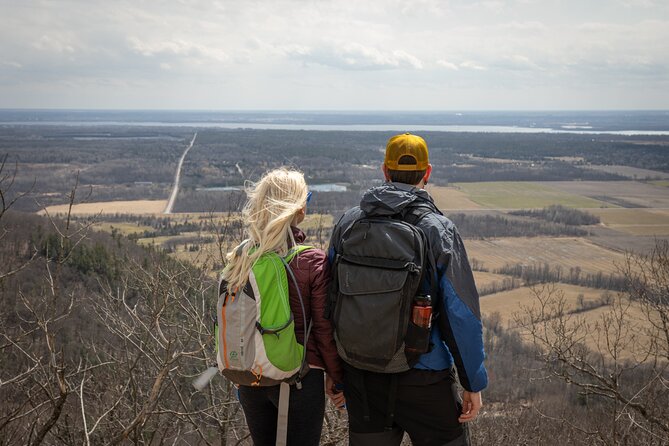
(335, 54)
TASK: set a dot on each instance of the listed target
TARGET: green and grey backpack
(255, 336)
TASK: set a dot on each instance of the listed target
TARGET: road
(177, 178)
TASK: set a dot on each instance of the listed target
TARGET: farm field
(484, 279)
(639, 221)
(137, 207)
(523, 195)
(629, 171)
(568, 252)
(451, 198)
(631, 194)
(511, 303)
(124, 228)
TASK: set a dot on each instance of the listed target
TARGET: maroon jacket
(312, 273)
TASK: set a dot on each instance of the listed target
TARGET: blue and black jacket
(461, 342)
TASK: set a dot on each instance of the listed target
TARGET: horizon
(337, 110)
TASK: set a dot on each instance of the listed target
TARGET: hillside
(102, 338)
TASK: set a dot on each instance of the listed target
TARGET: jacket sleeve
(319, 280)
(460, 315)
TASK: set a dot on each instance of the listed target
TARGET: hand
(471, 404)
(335, 395)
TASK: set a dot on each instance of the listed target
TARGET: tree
(619, 361)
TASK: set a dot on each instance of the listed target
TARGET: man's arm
(460, 317)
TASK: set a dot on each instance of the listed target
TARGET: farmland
(478, 175)
(137, 207)
(517, 195)
(555, 251)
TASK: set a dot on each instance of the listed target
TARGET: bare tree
(619, 360)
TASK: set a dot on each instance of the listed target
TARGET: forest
(126, 162)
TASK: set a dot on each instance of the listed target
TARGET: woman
(275, 206)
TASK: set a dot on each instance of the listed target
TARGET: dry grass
(567, 252)
(136, 207)
(619, 330)
(483, 279)
(123, 228)
(511, 303)
(635, 221)
(630, 172)
(520, 194)
(451, 198)
(621, 193)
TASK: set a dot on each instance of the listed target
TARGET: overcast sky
(335, 55)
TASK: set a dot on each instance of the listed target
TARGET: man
(422, 401)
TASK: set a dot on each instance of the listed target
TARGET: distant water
(610, 122)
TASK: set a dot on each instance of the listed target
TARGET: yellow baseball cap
(406, 145)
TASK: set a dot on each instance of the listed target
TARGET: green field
(523, 195)
(661, 183)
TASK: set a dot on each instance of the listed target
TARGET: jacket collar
(298, 234)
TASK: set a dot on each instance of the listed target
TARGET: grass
(511, 303)
(567, 252)
(636, 221)
(122, 227)
(136, 207)
(523, 195)
(450, 198)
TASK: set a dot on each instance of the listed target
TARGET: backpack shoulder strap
(295, 251)
(414, 214)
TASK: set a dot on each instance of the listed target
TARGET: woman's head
(273, 204)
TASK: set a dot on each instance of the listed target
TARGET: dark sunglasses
(308, 196)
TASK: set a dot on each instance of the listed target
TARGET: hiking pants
(426, 409)
(306, 410)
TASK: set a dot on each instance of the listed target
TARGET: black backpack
(380, 264)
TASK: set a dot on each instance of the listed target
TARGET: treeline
(113, 159)
(543, 273)
(492, 226)
(560, 214)
(110, 160)
(497, 286)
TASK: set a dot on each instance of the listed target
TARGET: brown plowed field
(568, 252)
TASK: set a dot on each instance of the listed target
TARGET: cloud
(177, 47)
(278, 52)
(517, 62)
(11, 63)
(472, 65)
(447, 64)
(355, 56)
(54, 44)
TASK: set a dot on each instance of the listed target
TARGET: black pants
(305, 411)
(426, 406)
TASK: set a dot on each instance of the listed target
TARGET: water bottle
(421, 312)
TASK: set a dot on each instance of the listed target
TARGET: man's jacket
(462, 341)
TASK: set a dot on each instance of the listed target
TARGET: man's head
(407, 160)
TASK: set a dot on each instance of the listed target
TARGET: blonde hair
(272, 204)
